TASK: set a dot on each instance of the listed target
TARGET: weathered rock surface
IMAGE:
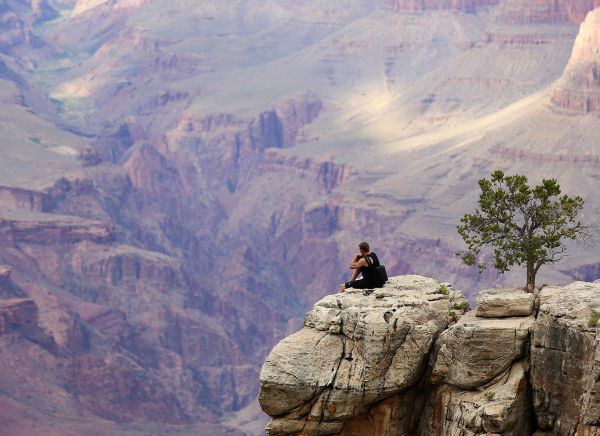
(355, 349)
(499, 407)
(475, 350)
(500, 303)
(565, 361)
(357, 367)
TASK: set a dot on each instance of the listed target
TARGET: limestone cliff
(406, 360)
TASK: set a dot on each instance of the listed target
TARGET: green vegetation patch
(461, 306)
(443, 289)
(593, 322)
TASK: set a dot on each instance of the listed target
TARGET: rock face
(500, 407)
(355, 350)
(565, 361)
(579, 87)
(364, 363)
(500, 303)
(476, 350)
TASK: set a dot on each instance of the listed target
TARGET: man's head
(363, 247)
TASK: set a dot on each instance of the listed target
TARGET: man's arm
(355, 259)
(358, 265)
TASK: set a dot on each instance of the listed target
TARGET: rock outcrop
(400, 360)
(500, 303)
(355, 350)
(51, 229)
(578, 89)
(565, 360)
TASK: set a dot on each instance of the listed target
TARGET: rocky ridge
(410, 359)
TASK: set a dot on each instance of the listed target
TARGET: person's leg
(356, 284)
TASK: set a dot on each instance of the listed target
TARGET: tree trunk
(530, 276)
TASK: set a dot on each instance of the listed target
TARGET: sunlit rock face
(579, 87)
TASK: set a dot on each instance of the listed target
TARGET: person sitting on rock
(363, 263)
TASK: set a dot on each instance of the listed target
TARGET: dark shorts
(361, 284)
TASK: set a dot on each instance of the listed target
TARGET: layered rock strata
(424, 5)
(400, 360)
(546, 11)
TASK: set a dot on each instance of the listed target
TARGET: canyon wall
(410, 358)
(513, 11)
(173, 196)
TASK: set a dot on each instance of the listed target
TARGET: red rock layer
(424, 5)
(547, 11)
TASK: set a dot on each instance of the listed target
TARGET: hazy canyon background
(181, 180)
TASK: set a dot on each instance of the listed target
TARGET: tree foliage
(522, 225)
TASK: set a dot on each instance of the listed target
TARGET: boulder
(500, 303)
(476, 350)
(548, 292)
(355, 350)
(565, 361)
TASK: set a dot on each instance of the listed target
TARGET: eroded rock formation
(405, 360)
(579, 87)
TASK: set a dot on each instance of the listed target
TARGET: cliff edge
(409, 359)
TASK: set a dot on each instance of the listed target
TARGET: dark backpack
(379, 269)
(382, 273)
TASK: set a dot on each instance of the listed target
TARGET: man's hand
(354, 261)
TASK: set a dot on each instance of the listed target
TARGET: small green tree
(522, 225)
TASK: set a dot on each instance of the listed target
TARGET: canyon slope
(181, 181)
